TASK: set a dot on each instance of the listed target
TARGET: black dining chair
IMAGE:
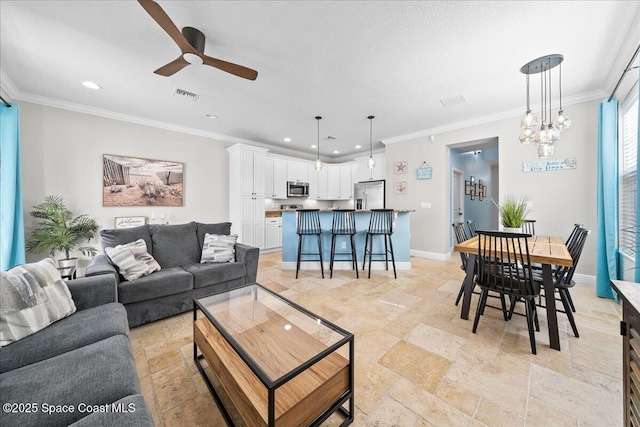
(461, 236)
(308, 224)
(472, 227)
(380, 224)
(529, 226)
(344, 224)
(504, 268)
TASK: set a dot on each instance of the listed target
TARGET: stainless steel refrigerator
(369, 195)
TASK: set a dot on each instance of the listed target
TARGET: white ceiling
(341, 60)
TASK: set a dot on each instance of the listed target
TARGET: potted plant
(60, 230)
(513, 211)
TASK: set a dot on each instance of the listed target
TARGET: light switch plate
(425, 205)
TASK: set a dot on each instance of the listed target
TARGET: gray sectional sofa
(178, 249)
(78, 371)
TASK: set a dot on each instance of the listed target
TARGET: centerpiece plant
(59, 230)
(513, 211)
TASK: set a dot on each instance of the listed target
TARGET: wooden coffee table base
(308, 398)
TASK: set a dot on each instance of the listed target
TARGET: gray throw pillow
(32, 296)
(219, 228)
(132, 259)
(219, 248)
(113, 238)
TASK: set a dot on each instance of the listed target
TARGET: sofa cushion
(212, 274)
(132, 259)
(175, 245)
(134, 413)
(113, 238)
(96, 374)
(32, 296)
(167, 281)
(219, 228)
(219, 248)
(68, 334)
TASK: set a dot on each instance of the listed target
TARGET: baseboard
(584, 279)
(311, 265)
(267, 251)
(430, 255)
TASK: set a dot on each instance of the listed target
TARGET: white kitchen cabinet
(273, 233)
(363, 173)
(247, 193)
(314, 182)
(275, 178)
(297, 171)
(323, 183)
(346, 182)
(333, 182)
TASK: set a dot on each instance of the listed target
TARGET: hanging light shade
(318, 164)
(371, 163)
(546, 131)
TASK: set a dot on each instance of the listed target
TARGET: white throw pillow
(132, 259)
(32, 296)
(219, 248)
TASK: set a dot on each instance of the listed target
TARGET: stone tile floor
(417, 362)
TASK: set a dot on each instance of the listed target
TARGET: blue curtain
(606, 252)
(11, 217)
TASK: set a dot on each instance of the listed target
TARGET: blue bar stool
(380, 224)
(344, 224)
(309, 225)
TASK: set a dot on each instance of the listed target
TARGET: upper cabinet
(363, 173)
(251, 170)
(346, 182)
(297, 171)
(275, 177)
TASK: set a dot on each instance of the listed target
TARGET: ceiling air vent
(453, 100)
(186, 94)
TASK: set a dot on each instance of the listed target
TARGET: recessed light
(287, 139)
(91, 85)
(212, 116)
(336, 152)
(314, 146)
(358, 146)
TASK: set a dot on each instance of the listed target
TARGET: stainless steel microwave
(297, 189)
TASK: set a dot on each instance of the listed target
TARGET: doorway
(457, 213)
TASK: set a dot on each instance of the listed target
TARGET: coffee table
(270, 362)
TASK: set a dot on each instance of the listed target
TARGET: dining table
(545, 250)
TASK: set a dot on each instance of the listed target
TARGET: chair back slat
(576, 227)
(308, 221)
(381, 221)
(529, 226)
(344, 221)
(565, 274)
(472, 227)
(461, 236)
(504, 264)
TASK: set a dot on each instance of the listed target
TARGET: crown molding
(576, 99)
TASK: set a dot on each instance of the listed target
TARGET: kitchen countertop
(272, 214)
(359, 210)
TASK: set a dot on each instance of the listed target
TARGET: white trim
(269, 250)
(584, 279)
(314, 265)
(430, 255)
(589, 96)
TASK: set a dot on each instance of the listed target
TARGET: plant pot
(512, 229)
(67, 267)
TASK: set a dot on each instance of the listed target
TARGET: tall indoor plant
(60, 230)
(513, 211)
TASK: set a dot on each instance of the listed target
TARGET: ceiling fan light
(193, 59)
(318, 165)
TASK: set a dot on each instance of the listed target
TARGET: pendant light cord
(318, 118)
(371, 136)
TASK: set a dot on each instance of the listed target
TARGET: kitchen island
(400, 239)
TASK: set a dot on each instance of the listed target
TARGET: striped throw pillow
(219, 248)
(32, 296)
(132, 259)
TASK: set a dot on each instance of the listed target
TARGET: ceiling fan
(191, 43)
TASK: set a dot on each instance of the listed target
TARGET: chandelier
(546, 131)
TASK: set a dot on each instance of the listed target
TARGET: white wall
(560, 198)
(62, 155)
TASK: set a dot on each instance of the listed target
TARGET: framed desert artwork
(133, 181)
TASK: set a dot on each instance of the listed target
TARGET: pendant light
(371, 163)
(318, 164)
(546, 131)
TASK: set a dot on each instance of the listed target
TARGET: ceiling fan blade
(235, 69)
(161, 17)
(172, 67)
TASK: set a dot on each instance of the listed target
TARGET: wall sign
(425, 171)
(130, 221)
(549, 165)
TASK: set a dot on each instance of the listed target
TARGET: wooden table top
(542, 249)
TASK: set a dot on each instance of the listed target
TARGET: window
(628, 167)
